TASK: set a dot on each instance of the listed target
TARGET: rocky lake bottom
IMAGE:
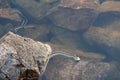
(89, 29)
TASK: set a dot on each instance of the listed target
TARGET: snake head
(77, 59)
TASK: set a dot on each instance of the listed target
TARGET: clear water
(65, 38)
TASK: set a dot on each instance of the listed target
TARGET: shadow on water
(4, 21)
(24, 12)
(106, 18)
(43, 77)
(101, 1)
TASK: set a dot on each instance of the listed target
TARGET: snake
(23, 21)
(74, 57)
(42, 67)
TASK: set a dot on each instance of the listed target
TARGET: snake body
(65, 54)
(19, 12)
(23, 21)
(42, 67)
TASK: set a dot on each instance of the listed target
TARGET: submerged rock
(10, 14)
(107, 19)
(105, 39)
(37, 9)
(108, 6)
(83, 70)
(75, 15)
(73, 19)
(36, 32)
(10, 19)
(78, 4)
(4, 4)
(84, 55)
(68, 39)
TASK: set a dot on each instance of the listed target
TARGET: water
(42, 22)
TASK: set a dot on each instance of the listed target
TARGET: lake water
(85, 32)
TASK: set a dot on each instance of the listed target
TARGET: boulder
(20, 56)
(9, 13)
(10, 20)
(109, 6)
(37, 9)
(73, 19)
(78, 4)
(104, 33)
(105, 39)
(75, 15)
(67, 38)
(109, 12)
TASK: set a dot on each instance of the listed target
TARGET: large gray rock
(20, 56)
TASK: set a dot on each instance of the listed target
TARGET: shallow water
(46, 25)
